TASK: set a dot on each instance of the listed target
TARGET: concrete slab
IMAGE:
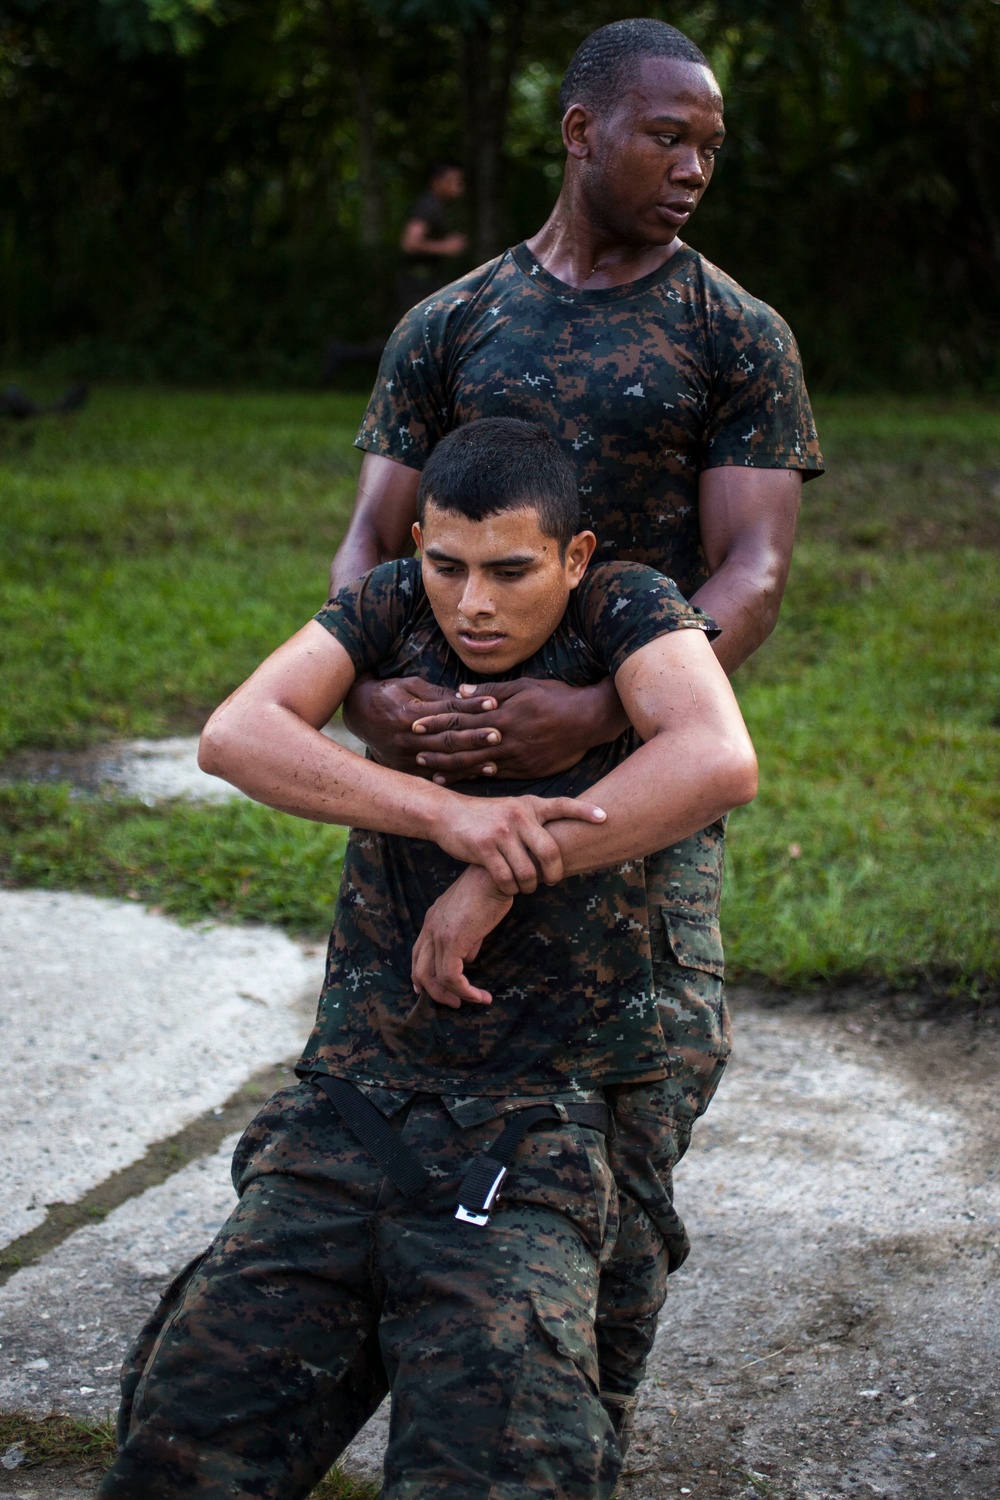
(66, 1322)
(152, 770)
(118, 1027)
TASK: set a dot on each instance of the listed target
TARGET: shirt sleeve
(624, 606)
(408, 410)
(369, 616)
(759, 414)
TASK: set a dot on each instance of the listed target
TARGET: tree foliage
(213, 187)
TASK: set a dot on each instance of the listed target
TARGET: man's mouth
(677, 211)
(481, 640)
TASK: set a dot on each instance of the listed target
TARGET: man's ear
(579, 551)
(576, 127)
(418, 536)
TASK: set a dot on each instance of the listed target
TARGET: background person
(428, 241)
(427, 244)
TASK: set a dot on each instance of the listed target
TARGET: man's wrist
(608, 719)
(436, 809)
(482, 883)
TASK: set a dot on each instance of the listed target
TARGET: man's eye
(668, 140)
(445, 568)
(510, 572)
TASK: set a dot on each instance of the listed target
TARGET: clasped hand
(526, 729)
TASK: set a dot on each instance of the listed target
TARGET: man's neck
(586, 255)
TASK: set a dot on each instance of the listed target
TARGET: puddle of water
(152, 770)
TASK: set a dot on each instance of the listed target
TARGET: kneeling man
(439, 1179)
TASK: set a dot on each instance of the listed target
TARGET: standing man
(427, 241)
(680, 401)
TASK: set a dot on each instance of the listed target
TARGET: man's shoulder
(724, 297)
(401, 578)
(440, 311)
(623, 605)
(607, 587)
(376, 607)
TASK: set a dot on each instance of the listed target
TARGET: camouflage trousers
(654, 1123)
(487, 1334)
(654, 1120)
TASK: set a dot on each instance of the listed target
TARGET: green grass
(873, 849)
(235, 860)
(154, 548)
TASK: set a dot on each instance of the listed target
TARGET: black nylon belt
(370, 1127)
(486, 1172)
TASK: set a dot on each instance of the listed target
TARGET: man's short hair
(498, 464)
(599, 69)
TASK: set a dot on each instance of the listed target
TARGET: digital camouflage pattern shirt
(644, 385)
(569, 967)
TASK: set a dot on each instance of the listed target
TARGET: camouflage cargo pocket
(570, 1335)
(688, 968)
(139, 1355)
(687, 938)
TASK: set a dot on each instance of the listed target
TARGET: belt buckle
(467, 1216)
(481, 1216)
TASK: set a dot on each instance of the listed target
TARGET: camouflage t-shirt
(644, 385)
(569, 967)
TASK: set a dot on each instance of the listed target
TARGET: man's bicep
(387, 500)
(745, 507)
(675, 684)
(385, 509)
(310, 675)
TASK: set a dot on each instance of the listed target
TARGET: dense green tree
(212, 187)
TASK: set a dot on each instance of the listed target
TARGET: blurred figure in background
(428, 245)
(427, 241)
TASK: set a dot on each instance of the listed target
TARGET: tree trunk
(983, 87)
(348, 52)
(489, 54)
(348, 56)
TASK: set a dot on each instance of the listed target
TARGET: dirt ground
(835, 1331)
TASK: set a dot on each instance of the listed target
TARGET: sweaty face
(652, 158)
(498, 587)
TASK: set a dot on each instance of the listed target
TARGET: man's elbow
(215, 747)
(740, 775)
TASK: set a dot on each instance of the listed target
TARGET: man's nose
(477, 598)
(689, 168)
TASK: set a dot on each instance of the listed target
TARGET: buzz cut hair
(597, 72)
(497, 464)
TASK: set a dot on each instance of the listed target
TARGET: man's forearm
(744, 605)
(661, 794)
(276, 758)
